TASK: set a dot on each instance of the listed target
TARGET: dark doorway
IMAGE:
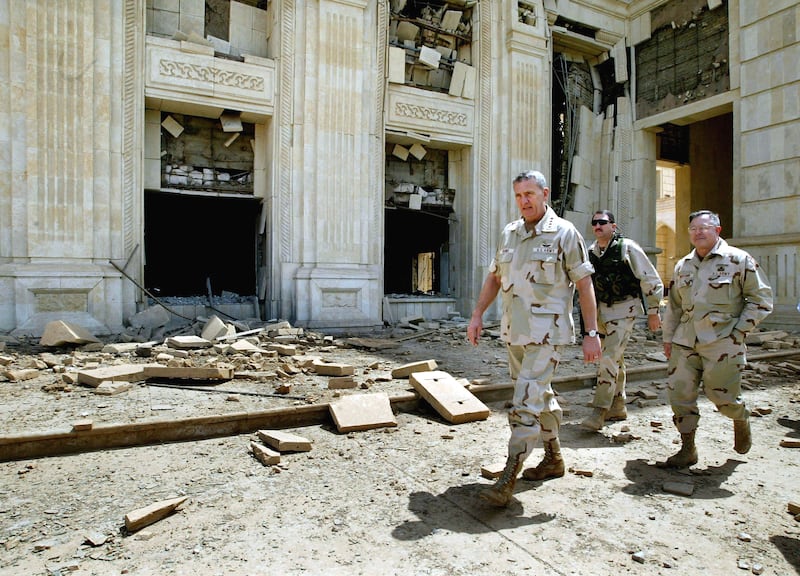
(410, 234)
(192, 241)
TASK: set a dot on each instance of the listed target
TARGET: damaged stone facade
(331, 95)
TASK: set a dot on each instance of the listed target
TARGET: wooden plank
(138, 519)
(362, 412)
(455, 403)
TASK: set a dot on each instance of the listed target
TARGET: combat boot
(686, 456)
(500, 493)
(596, 421)
(618, 411)
(741, 436)
(551, 466)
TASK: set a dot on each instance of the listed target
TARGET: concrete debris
(407, 370)
(141, 517)
(265, 455)
(362, 412)
(448, 397)
(60, 333)
(285, 441)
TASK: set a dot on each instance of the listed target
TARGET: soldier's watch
(591, 333)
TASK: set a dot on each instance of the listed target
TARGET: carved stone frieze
(212, 74)
(442, 116)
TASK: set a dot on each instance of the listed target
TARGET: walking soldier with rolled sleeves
(717, 295)
(540, 261)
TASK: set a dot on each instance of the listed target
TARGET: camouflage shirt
(649, 281)
(710, 297)
(537, 272)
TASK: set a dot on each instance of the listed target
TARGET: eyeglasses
(599, 222)
(701, 228)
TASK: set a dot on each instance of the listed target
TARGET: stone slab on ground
(407, 370)
(362, 412)
(449, 398)
(265, 455)
(59, 333)
(285, 441)
(121, 372)
(189, 373)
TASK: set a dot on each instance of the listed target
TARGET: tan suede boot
(500, 493)
(596, 421)
(618, 411)
(686, 456)
(551, 466)
(742, 440)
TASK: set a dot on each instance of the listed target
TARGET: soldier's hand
(592, 350)
(474, 330)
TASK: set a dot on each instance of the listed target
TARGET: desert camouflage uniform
(713, 304)
(616, 321)
(537, 272)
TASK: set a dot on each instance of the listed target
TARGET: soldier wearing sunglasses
(624, 278)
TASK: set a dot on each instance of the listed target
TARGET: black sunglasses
(602, 222)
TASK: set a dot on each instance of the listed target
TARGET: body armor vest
(613, 278)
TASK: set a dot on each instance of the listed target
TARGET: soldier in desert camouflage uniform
(623, 278)
(717, 295)
(539, 262)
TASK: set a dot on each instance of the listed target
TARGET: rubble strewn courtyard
(399, 499)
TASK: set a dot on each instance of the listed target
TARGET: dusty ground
(398, 500)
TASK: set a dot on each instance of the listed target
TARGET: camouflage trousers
(719, 366)
(535, 411)
(611, 367)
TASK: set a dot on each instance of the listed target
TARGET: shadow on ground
(460, 509)
(647, 479)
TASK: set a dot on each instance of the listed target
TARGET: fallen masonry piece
(406, 370)
(141, 517)
(332, 369)
(59, 333)
(285, 441)
(121, 372)
(189, 373)
(362, 412)
(451, 400)
(265, 455)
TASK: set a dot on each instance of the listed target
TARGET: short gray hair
(534, 175)
(713, 216)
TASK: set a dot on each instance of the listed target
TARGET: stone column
(67, 184)
(330, 192)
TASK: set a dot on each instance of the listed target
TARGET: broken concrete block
(187, 342)
(110, 388)
(494, 470)
(415, 201)
(429, 57)
(172, 126)
(397, 65)
(417, 151)
(285, 441)
(142, 517)
(407, 31)
(341, 383)
(189, 373)
(362, 412)
(406, 370)
(122, 372)
(20, 375)
(82, 425)
(332, 369)
(450, 399)
(283, 349)
(59, 333)
(214, 328)
(245, 347)
(265, 455)
(400, 152)
(231, 122)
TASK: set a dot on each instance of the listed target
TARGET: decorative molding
(206, 73)
(429, 114)
(285, 200)
(483, 242)
(130, 127)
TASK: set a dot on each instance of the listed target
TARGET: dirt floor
(396, 500)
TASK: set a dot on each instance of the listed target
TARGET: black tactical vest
(613, 278)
